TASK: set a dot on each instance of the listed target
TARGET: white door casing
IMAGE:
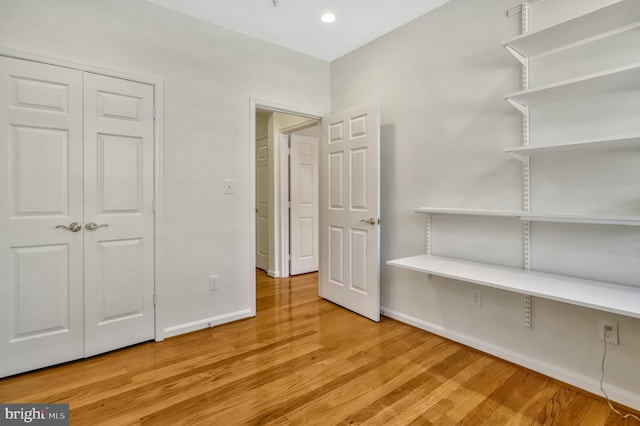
(118, 181)
(41, 267)
(62, 290)
(303, 196)
(262, 203)
(350, 252)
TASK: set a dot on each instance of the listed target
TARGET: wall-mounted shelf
(626, 141)
(600, 21)
(468, 212)
(537, 216)
(617, 78)
(608, 297)
(589, 219)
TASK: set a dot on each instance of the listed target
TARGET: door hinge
(153, 112)
(155, 299)
(154, 206)
(289, 204)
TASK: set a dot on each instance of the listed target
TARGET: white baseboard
(589, 384)
(273, 274)
(207, 322)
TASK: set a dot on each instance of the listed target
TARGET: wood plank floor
(305, 361)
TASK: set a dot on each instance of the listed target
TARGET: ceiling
(295, 24)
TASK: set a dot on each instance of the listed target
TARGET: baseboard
(589, 384)
(273, 274)
(207, 322)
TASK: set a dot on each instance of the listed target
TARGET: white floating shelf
(600, 21)
(537, 216)
(621, 77)
(614, 298)
(468, 212)
(588, 219)
(627, 141)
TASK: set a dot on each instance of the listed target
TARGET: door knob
(370, 221)
(92, 226)
(73, 227)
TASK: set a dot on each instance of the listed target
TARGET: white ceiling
(296, 24)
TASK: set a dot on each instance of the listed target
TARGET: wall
(210, 74)
(440, 81)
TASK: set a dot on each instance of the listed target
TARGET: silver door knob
(92, 226)
(370, 221)
(73, 227)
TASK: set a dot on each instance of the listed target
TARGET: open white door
(303, 195)
(350, 208)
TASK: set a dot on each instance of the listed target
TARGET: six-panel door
(350, 206)
(118, 197)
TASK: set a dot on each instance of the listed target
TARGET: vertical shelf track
(526, 176)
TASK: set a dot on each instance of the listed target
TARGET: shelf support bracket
(520, 107)
(518, 157)
(519, 56)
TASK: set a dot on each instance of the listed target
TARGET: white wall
(440, 81)
(209, 75)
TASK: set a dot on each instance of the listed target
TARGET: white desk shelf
(621, 77)
(601, 21)
(618, 142)
(614, 298)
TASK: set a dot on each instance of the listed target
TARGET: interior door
(41, 283)
(303, 195)
(350, 206)
(118, 208)
(262, 204)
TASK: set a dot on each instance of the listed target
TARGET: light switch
(228, 186)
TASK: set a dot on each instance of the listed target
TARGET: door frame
(158, 128)
(254, 105)
(285, 222)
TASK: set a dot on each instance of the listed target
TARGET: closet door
(118, 201)
(41, 267)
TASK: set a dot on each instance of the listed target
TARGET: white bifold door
(76, 214)
(350, 209)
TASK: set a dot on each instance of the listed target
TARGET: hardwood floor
(305, 361)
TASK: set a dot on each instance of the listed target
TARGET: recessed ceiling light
(328, 18)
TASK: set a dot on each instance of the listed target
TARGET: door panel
(349, 271)
(262, 204)
(303, 195)
(118, 153)
(41, 287)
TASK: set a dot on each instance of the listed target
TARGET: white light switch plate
(228, 186)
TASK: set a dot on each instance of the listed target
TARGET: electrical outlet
(611, 334)
(476, 297)
(213, 282)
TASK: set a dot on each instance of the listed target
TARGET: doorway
(286, 192)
